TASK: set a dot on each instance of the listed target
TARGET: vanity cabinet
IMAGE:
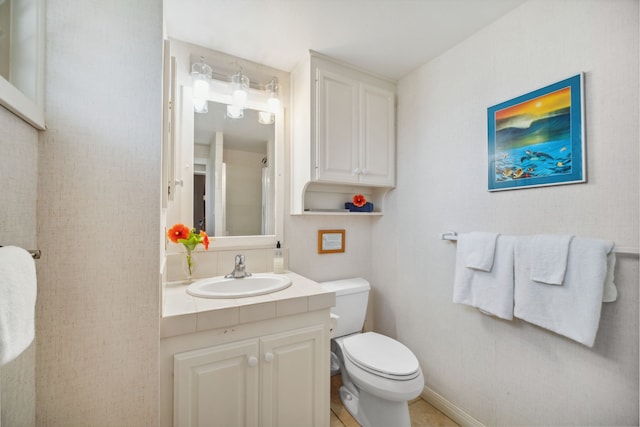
(343, 130)
(276, 380)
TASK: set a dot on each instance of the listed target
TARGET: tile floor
(422, 413)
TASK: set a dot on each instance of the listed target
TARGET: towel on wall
(489, 291)
(479, 249)
(573, 309)
(549, 255)
(18, 289)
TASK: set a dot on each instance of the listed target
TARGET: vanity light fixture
(201, 75)
(273, 101)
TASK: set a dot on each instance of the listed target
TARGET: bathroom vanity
(255, 361)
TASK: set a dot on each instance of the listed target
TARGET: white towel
(18, 291)
(479, 249)
(610, 293)
(491, 292)
(573, 309)
(549, 255)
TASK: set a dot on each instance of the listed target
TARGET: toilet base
(381, 412)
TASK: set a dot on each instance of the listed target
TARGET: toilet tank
(352, 297)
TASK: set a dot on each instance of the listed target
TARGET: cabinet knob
(365, 171)
(268, 357)
(252, 361)
(356, 171)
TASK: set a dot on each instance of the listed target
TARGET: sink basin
(256, 284)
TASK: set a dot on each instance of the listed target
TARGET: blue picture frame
(537, 139)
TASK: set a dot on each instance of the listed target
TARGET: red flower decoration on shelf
(359, 200)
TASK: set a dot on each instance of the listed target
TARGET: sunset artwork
(536, 139)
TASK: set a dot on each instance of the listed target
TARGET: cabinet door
(217, 386)
(377, 136)
(295, 375)
(336, 128)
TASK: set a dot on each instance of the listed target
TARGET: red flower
(178, 231)
(205, 239)
(359, 200)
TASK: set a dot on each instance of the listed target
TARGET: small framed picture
(331, 241)
(537, 139)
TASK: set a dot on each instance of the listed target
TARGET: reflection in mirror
(233, 182)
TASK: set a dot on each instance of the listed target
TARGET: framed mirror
(22, 59)
(231, 170)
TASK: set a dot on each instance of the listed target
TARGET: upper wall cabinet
(343, 132)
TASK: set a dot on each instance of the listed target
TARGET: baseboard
(449, 409)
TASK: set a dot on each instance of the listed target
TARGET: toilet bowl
(379, 374)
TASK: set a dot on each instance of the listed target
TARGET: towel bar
(453, 236)
(35, 253)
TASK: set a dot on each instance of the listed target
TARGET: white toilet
(379, 374)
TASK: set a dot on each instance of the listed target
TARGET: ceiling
(388, 37)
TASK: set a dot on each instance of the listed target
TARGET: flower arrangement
(180, 233)
(359, 204)
(359, 200)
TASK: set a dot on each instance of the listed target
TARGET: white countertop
(183, 313)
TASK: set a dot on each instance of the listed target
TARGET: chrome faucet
(239, 270)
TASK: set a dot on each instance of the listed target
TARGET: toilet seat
(381, 356)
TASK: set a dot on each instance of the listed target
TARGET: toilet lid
(380, 354)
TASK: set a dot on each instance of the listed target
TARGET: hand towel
(18, 290)
(549, 255)
(573, 309)
(490, 292)
(479, 249)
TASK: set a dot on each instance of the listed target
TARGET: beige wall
(98, 215)
(18, 192)
(501, 372)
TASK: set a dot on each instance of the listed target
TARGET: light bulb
(274, 104)
(235, 112)
(239, 98)
(265, 118)
(201, 88)
(240, 85)
(200, 105)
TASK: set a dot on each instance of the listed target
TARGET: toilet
(379, 374)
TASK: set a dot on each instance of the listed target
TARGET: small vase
(189, 264)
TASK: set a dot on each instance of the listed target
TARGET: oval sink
(221, 287)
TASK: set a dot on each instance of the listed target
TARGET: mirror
(233, 173)
(22, 59)
(202, 149)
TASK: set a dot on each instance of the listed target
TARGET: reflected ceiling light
(273, 101)
(201, 75)
(200, 105)
(266, 118)
(235, 112)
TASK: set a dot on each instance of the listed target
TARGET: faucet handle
(239, 259)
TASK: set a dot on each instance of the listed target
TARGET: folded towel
(549, 255)
(491, 292)
(479, 249)
(17, 302)
(573, 309)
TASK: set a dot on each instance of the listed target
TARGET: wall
(18, 192)
(98, 223)
(501, 372)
